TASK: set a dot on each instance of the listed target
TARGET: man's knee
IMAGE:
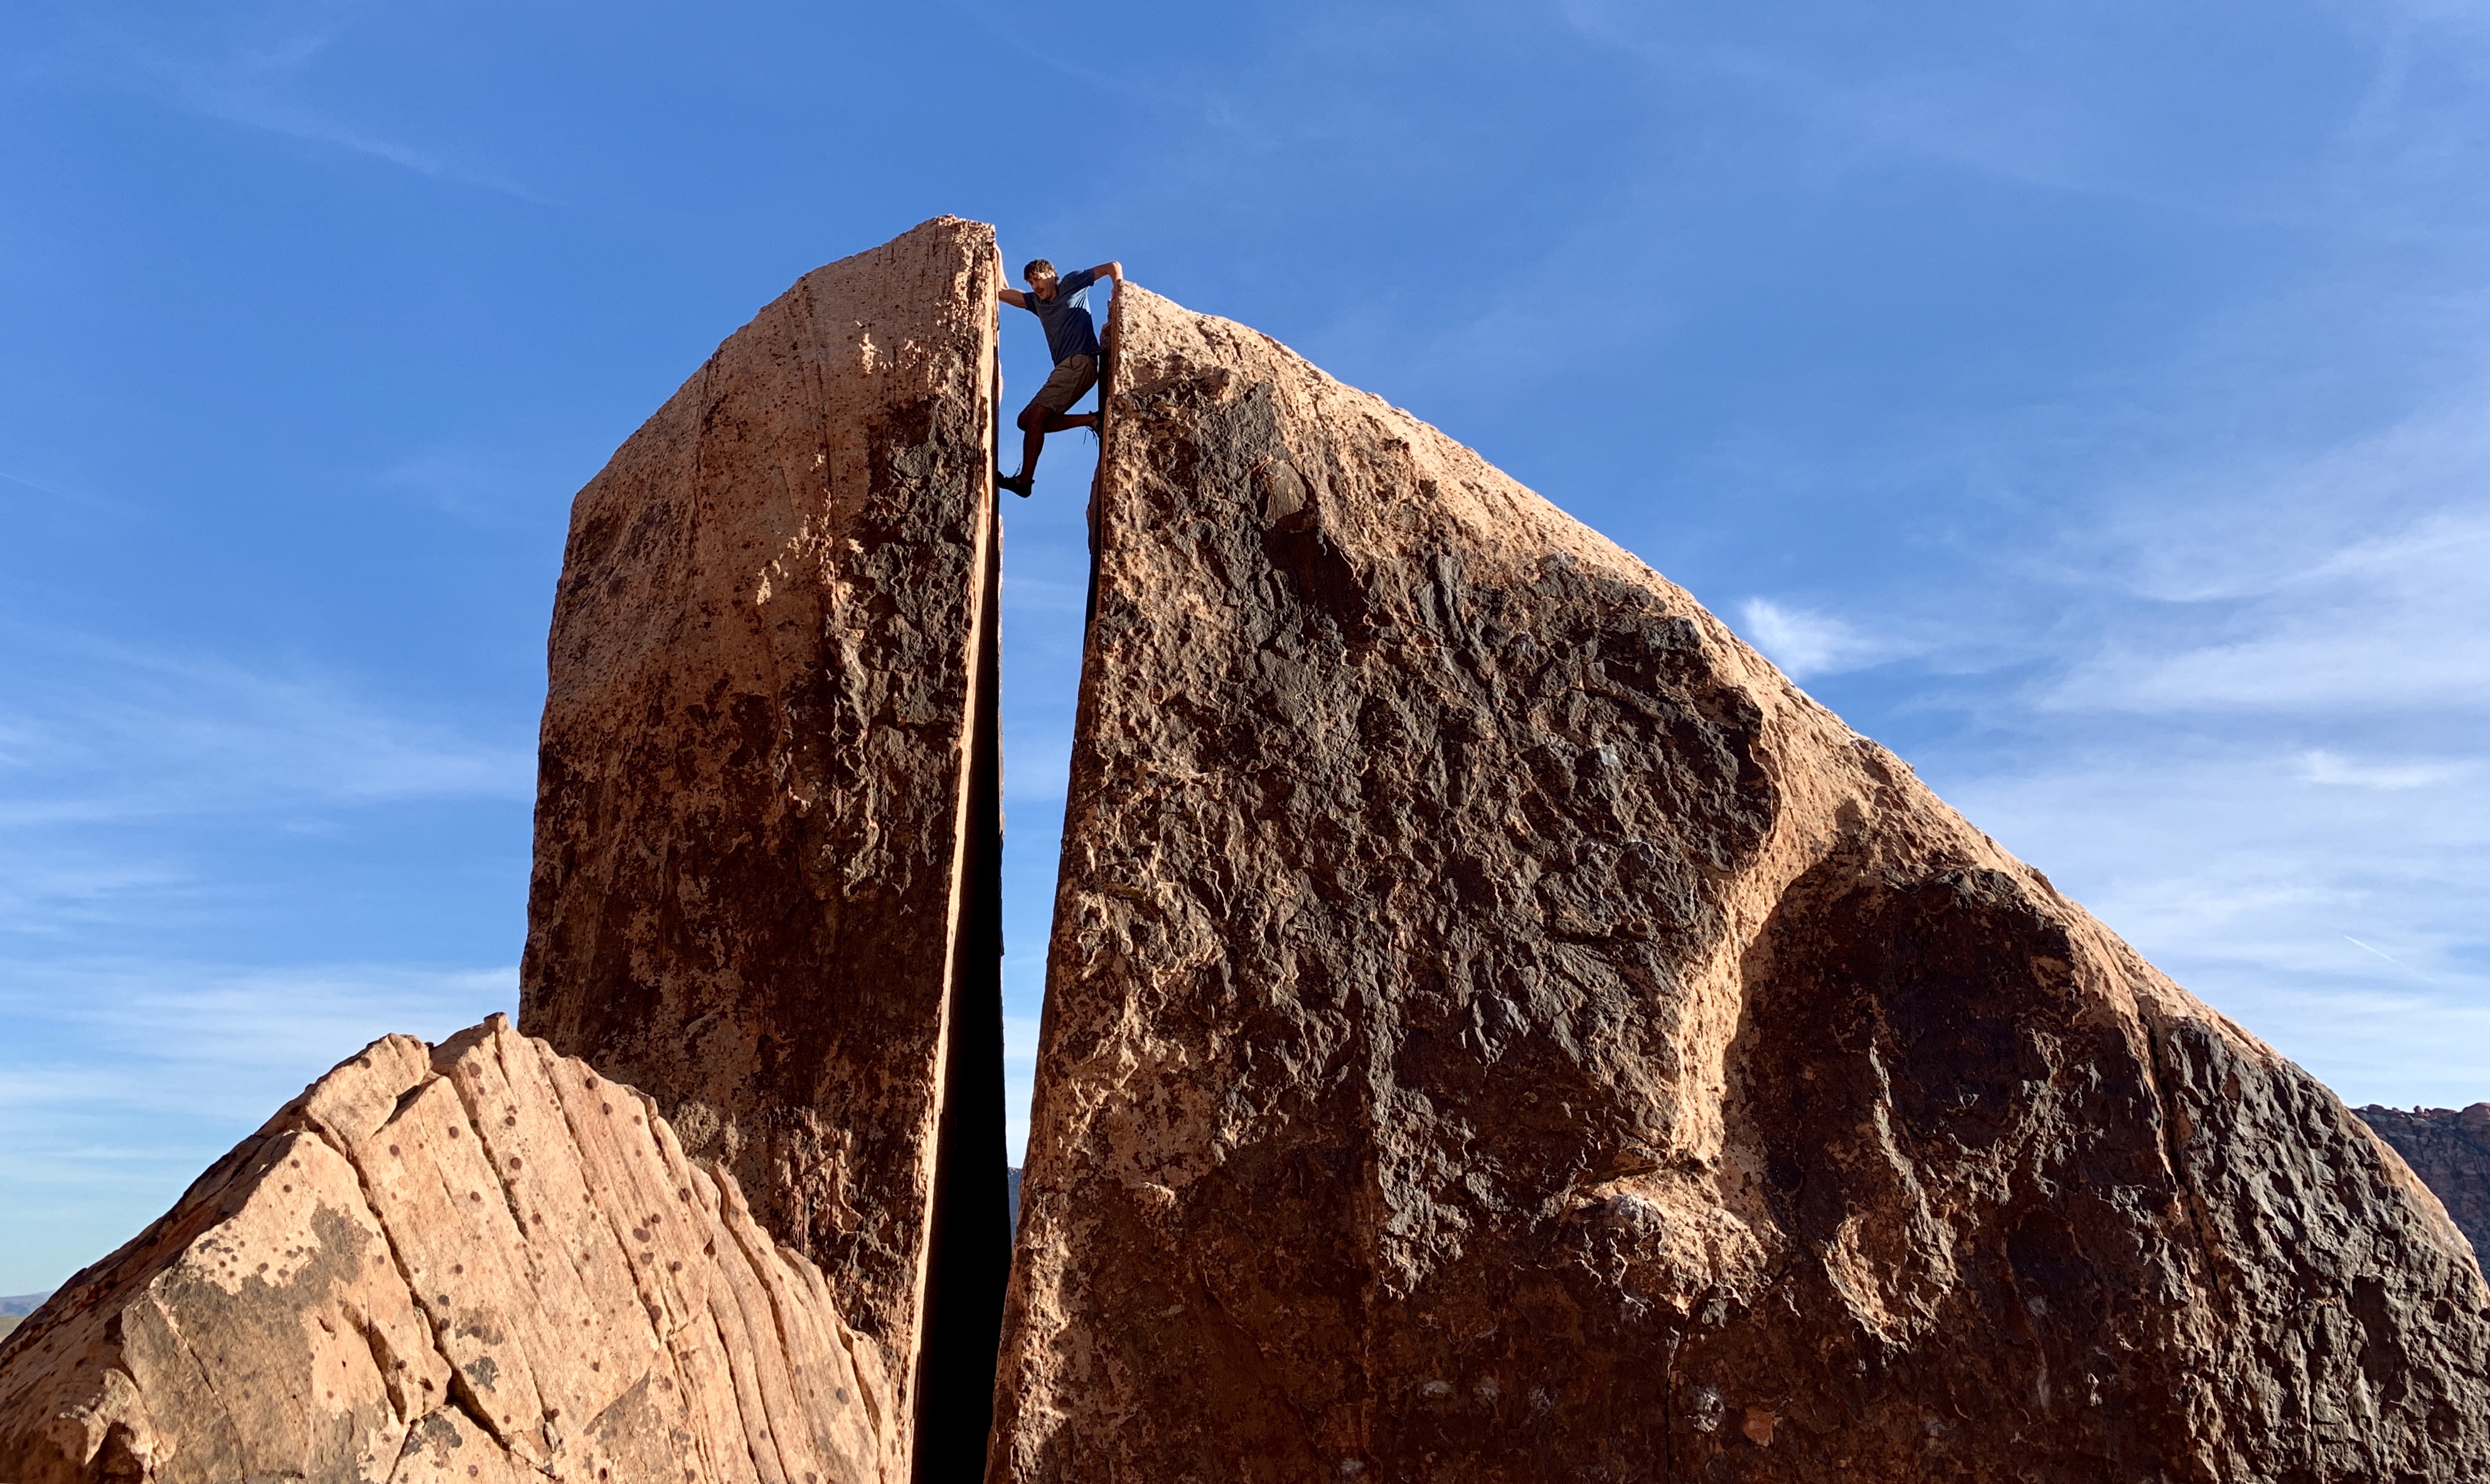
(1031, 418)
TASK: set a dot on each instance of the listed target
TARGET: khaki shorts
(1073, 375)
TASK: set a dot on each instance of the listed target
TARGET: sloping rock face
(766, 884)
(1498, 1028)
(2451, 1151)
(475, 1260)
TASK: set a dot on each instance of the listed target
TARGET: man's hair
(1037, 266)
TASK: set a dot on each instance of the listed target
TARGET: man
(1072, 340)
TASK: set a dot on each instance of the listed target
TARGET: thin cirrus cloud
(109, 731)
(2320, 765)
(215, 69)
(224, 1041)
(2395, 618)
(120, 763)
(1806, 643)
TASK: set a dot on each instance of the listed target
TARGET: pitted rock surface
(472, 1261)
(2449, 1150)
(1498, 1028)
(758, 830)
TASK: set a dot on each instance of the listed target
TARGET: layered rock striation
(2449, 1150)
(1498, 1028)
(472, 1261)
(765, 833)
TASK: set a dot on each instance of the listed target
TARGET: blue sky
(2086, 400)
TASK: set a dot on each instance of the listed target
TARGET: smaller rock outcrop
(2451, 1151)
(477, 1260)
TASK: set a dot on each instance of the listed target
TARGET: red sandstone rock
(764, 884)
(475, 1260)
(1499, 1028)
(2451, 1151)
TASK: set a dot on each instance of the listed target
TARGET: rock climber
(1072, 340)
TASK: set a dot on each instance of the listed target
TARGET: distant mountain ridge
(2449, 1150)
(14, 1310)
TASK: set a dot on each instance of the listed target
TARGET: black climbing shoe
(1018, 484)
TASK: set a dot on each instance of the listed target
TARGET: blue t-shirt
(1069, 330)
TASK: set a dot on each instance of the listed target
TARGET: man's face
(1043, 285)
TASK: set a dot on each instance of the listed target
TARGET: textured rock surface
(2449, 1150)
(1498, 1028)
(764, 853)
(476, 1260)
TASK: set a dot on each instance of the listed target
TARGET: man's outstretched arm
(1013, 296)
(1114, 270)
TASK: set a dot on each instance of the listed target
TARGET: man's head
(1039, 276)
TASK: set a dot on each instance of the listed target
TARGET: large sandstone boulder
(2449, 1150)
(766, 884)
(1499, 1028)
(474, 1261)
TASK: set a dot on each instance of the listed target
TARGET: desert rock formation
(765, 850)
(472, 1261)
(1498, 1028)
(2451, 1151)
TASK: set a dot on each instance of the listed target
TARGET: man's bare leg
(1034, 430)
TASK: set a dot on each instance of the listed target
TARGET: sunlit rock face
(766, 828)
(472, 1261)
(1499, 1028)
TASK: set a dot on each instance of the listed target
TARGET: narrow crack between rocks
(968, 1228)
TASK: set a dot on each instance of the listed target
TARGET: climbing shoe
(1018, 484)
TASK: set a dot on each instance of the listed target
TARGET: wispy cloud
(113, 730)
(102, 736)
(2389, 957)
(477, 484)
(1992, 93)
(2321, 766)
(222, 1040)
(2352, 581)
(219, 72)
(1805, 643)
(2245, 722)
